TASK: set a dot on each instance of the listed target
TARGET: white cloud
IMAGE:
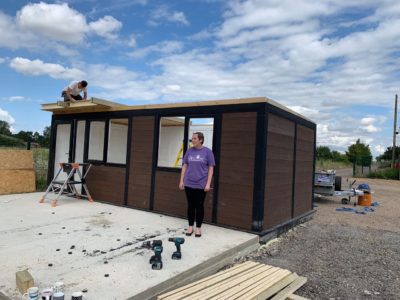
(165, 47)
(37, 67)
(16, 98)
(56, 21)
(370, 128)
(171, 89)
(106, 27)
(379, 149)
(367, 121)
(163, 14)
(2, 60)
(132, 41)
(5, 116)
(57, 26)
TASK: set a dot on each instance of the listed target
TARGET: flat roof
(101, 105)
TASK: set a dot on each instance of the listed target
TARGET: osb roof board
(100, 105)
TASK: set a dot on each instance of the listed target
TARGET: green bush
(328, 164)
(387, 173)
(8, 141)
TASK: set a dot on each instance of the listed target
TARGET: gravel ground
(344, 255)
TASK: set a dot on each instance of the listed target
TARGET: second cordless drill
(178, 242)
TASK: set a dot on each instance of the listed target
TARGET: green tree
(25, 135)
(323, 152)
(387, 155)
(5, 128)
(359, 153)
(337, 156)
(44, 140)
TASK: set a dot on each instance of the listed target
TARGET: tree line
(7, 138)
(358, 152)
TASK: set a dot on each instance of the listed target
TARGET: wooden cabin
(264, 153)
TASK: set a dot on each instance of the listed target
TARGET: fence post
(28, 145)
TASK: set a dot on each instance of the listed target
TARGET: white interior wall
(62, 148)
(96, 140)
(117, 143)
(79, 148)
(206, 129)
(80, 141)
(171, 139)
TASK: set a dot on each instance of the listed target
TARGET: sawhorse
(67, 186)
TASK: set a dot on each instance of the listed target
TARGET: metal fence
(362, 165)
(40, 161)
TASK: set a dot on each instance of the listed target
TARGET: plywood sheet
(17, 181)
(11, 159)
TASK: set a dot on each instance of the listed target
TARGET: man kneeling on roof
(72, 92)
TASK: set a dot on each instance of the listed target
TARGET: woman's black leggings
(195, 198)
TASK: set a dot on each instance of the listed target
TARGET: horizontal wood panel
(279, 171)
(141, 162)
(107, 184)
(279, 126)
(236, 169)
(170, 199)
(304, 170)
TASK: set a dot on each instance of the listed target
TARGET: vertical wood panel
(304, 170)
(141, 162)
(107, 184)
(168, 198)
(279, 171)
(236, 169)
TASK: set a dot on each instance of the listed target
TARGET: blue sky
(336, 62)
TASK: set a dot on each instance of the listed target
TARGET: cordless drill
(155, 260)
(178, 242)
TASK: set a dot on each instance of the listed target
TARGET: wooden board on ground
(13, 159)
(249, 280)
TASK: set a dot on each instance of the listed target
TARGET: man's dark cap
(84, 83)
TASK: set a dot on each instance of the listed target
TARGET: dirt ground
(344, 255)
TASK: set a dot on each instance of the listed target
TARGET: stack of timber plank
(249, 280)
(17, 174)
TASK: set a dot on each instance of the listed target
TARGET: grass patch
(387, 173)
(332, 165)
(40, 161)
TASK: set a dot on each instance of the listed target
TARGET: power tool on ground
(155, 260)
(178, 242)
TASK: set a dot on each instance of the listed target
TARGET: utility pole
(394, 131)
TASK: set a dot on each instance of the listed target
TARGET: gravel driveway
(344, 255)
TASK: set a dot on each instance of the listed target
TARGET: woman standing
(196, 175)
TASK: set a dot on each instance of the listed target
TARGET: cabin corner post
(259, 170)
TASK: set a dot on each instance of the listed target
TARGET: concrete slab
(72, 242)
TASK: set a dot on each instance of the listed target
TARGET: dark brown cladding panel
(279, 171)
(107, 184)
(236, 169)
(141, 162)
(170, 199)
(304, 170)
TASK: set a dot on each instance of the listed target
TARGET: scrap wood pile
(249, 280)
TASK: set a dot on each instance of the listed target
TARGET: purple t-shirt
(198, 161)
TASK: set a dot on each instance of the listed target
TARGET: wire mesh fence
(40, 161)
